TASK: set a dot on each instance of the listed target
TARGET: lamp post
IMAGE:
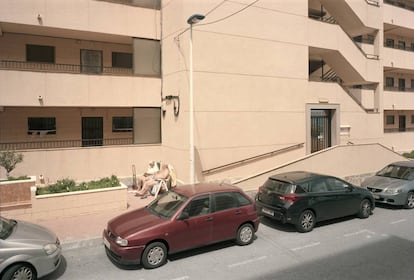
(191, 21)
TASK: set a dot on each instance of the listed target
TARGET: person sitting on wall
(162, 174)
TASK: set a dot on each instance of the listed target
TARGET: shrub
(69, 185)
(409, 155)
(9, 160)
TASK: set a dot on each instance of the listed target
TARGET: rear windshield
(278, 186)
(398, 172)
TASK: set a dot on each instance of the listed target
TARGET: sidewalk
(86, 230)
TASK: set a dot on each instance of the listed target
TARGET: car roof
(204, 188)
(296, 177)
(407, 163)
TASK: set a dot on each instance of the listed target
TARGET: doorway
(92, 131)
(321, 129)
(401, 123)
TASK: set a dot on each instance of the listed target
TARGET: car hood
(380, 182)
(135, 221)
(28, 233)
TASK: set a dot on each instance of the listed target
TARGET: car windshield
(278, 186)
(397, 172)
(167, 204)
(6, 227)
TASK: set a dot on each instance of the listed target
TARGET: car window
(198, 206)
(397, 172)
(224, 201)
(318, 186)
(242, 200)
(167, 204)
(6, 227)
(336, 185)
(278, 186)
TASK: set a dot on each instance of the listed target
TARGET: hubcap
(246, 234)
(366, 209)
(24, 273)
(155, 255)
(307, 221)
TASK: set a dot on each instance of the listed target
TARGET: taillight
(260, 189)
(289, 197)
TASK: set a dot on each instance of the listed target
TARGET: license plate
(106, 243)
(268, 212)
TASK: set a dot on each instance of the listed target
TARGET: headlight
(50, 248)
(392, 191)
(121, 242)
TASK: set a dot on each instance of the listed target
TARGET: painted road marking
(364, 231)
(181, 278)
(306, 246)
(399, 221)
(247, 262)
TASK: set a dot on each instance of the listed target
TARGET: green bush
(11, 178)
(69, 185)
(409, 155)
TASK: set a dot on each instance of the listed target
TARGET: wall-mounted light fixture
(167, 99)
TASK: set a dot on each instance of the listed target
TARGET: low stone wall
(72, 204)
(16, 194)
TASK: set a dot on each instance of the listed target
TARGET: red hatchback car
(186, 217)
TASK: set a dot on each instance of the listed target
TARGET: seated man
(149, 182)
(153, 167)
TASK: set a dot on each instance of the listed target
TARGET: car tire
(20, 271)
(154, 255)
(245, 235)
(306, 221)
(409, 204)
(365, 209)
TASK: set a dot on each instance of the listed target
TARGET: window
(225, 201)
(122, 124)
(41, 126)
(198, 206)
(122, 60)
(319, 186)
(91, 61)
(241, 199)
(389, 82)
(412, 46)
(390, 120)
(36, 53)
(336, 185)
(412, 118)
(412, 85)
(401, 45)
(401, 84)
(389, 43)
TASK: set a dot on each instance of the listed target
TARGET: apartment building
(90, 88)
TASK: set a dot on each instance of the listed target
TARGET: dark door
(401, 123)
(346, 201)
(92, 131)
(320, 130)
(401, 84)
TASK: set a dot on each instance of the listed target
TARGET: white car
(27, 251)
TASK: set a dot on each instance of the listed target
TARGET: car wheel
(20, 271)
(410, 201)
(306, 221)
(154, 255)
(245, 235)
(364, 209)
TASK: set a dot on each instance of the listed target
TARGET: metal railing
(57, 144)
(250, 159)
(398, 89)
(396, 46)
(400, 4)
(63, 68)
(398, 129)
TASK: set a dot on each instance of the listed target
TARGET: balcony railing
(398, 89)
(397, 129)
(56, 144)
(63, 68)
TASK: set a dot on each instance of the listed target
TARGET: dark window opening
(122, 124)
(390, 120)
(122, 60)
(36, 53)
(41, 126)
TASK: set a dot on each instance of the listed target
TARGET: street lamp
(191, 21)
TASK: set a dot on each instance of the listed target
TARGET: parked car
(394, 184)
(183, 218)
(27, 251)
(303, 199)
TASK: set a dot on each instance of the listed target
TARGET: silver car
(27, 251)
(394, 184)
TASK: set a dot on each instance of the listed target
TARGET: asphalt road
(380, 247)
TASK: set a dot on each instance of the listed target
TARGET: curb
(85, 243)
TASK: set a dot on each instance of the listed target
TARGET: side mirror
(349, 188)
(183, 216)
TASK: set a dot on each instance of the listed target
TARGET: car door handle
(209, 219)
(238, 212)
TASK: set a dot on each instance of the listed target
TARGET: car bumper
(393, 199)
(275, 213)
(129, 255)
(48, 264)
